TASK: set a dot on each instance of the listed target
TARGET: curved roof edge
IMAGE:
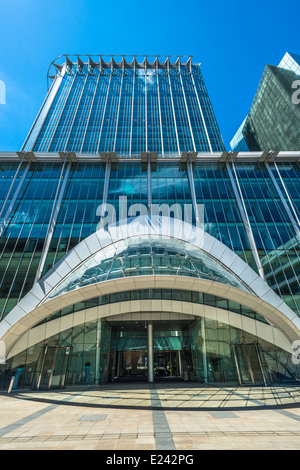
(34, 306)
(144, 310)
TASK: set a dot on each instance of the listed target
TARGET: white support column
(180, 364)
(199, 221)
(105, 189)
(98, 351)
(118, 363)
(204, 356)
(150, 352)
(149, 189)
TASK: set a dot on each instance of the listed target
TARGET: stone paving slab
(152, 417)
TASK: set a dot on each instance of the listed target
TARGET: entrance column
(150, 352)
(203, 334)
(98, 344)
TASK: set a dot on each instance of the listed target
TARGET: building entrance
(140, 353)
(131, 364)
(167, 364)
(248, 364)
(134, 365)
(52, 368)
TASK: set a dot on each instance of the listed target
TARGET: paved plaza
(160, 416)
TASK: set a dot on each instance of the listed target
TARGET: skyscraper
(133, 245)
(273, 120)
(127, 108)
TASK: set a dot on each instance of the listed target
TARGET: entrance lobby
(148, 351)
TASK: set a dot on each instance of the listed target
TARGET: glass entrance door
(167, 364)
(248, 364)
(132, 364)
(54, 362)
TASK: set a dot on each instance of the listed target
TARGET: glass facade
(272, 123)
(171, 192)
(24, 230)
(115, 140)
(275, 236)
(146, 255)
(77, 217)
(128, 109)
(200, 350)
(127, 190)
(222, 217)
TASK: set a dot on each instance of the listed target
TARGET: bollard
(11, 384)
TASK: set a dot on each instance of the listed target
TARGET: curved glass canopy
(147, 255)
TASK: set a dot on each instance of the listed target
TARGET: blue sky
(232, 40)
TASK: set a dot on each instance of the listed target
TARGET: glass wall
(222, 353)
(289, 179)
(128, 110)
(24, 233)
(52, 119)
(128, 191)
(79, 128)
(110, 120)
(169, 131)
(170, 191)
(184, 130)
(63, 130)
(272, 122)
(95, 122)
(154, 137)
(78, 216)
(207, 111)
(96, 352)
(138, 142)
(222, 218)
(125, 116)
(275, 237)
(194, 112)
(7, 184)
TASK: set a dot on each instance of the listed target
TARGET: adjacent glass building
(133, 246)
(273, 120)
